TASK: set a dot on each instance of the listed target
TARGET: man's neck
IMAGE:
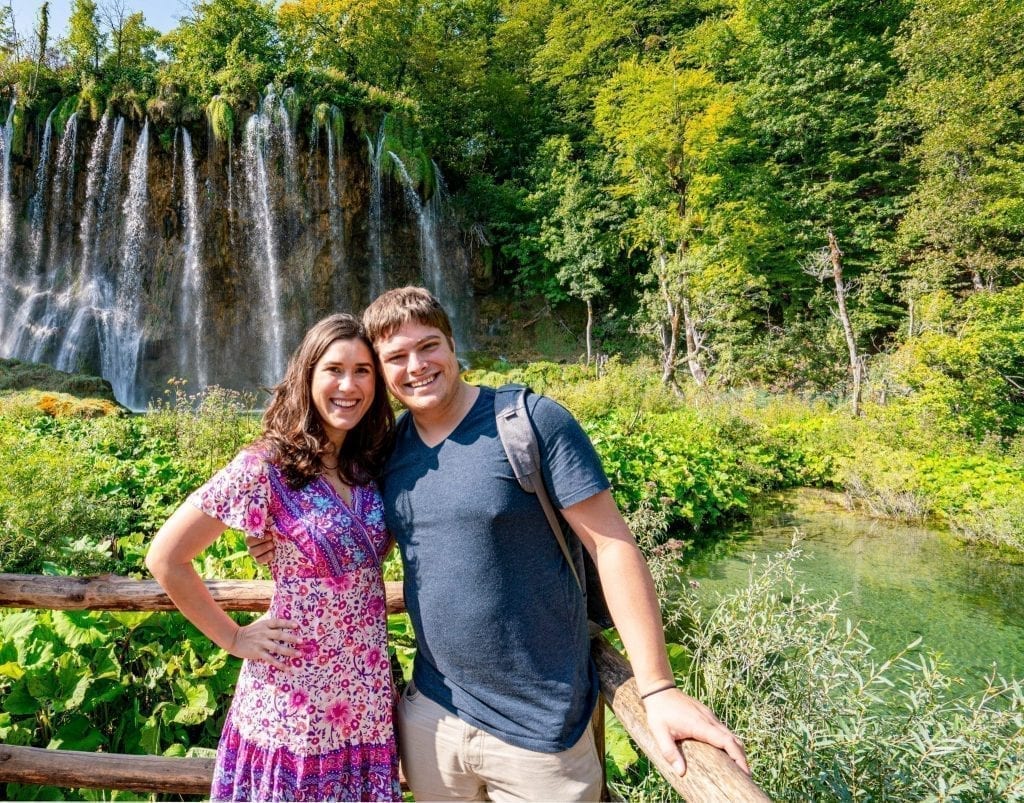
(434, 426)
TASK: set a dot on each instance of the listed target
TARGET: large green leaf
(19, 701)
(78, 733)
(79, 628)
(15, 628)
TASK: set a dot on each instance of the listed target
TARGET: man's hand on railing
(673, 716)
(261, 549)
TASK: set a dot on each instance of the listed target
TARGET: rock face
(144, 254)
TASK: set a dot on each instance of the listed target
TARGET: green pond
(897, 581)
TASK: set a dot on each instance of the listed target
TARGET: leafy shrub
(823, 718)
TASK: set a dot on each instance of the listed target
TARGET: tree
(828, 263)
(812, 80)
(85, 43)
(226, 47)
(663, 124)
(964, 96)
(579, 233)
(42, 41)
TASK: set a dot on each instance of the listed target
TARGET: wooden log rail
(711, 775)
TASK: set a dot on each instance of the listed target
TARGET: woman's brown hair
(293, 434)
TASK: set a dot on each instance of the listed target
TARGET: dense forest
(786, 193)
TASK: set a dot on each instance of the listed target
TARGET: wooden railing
(710, 776)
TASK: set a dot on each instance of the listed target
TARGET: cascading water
(426, 215)
(258, 139)
(334, 197)
(36, 337)
(114, 274)
(93, 294)
(376, 212)
(450, 289)
(37, 206)
(192, 313)
(121, 332)
(6, 214)
(20, 328)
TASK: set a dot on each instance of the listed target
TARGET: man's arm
(633, 604)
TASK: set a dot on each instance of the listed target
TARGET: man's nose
(415, 363)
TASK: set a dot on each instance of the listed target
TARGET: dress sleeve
(238, 495)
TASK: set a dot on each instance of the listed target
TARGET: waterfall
(334, 198)
(86, 294)
(258, 136)
(121, 332)
(62, 197)
(36, 337)
(21, 325)
(6, 213)
(440, 278)
(92, 192)
(279, 109)
(37, 206)
(104, 271)
(193, 285)
(376, 255)
(426, 215)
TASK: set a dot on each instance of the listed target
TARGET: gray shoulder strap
(520, 441)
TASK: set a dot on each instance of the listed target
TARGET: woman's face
(342, 387)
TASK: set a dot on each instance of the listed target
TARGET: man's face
(419, 367)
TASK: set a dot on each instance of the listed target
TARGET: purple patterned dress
(321, 730)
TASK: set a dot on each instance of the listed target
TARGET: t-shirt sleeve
(571, 466)
(238, 495)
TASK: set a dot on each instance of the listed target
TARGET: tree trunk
(693, 346)
(590, 331)
(669, 329)
(856, 367)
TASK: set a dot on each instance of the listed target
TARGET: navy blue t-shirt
(501, 627)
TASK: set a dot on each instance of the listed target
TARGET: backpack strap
(520, 441)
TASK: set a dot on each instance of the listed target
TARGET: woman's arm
(184, 535)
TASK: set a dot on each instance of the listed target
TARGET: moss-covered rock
(19, 375)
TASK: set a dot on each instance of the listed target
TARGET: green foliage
(221, 118)
(225, 47)
(823, 717)
(963, 93)
(963, 371)
(116, 682)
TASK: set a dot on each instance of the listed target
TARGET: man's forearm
(633, 604)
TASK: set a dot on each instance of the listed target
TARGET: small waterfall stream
(6, 213)
(121, 336)
(376, 150)
(259, 133)
(192, 313)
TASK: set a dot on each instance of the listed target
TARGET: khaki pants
(445, 758)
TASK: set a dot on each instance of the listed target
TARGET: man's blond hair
(395, 308)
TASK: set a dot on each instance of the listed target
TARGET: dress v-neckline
(349, 506)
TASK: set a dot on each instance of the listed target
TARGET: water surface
(898, 581)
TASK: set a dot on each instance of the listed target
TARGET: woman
(311, 717)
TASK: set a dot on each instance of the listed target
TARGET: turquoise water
(898, 582)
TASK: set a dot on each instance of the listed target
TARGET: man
(503, 686)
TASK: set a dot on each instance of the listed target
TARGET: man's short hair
(395, 308)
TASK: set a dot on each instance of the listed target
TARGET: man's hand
(261, 549)
(673, 716)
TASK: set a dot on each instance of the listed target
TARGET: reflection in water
(898, 581)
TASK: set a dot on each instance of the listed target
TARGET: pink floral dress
(321, 730)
